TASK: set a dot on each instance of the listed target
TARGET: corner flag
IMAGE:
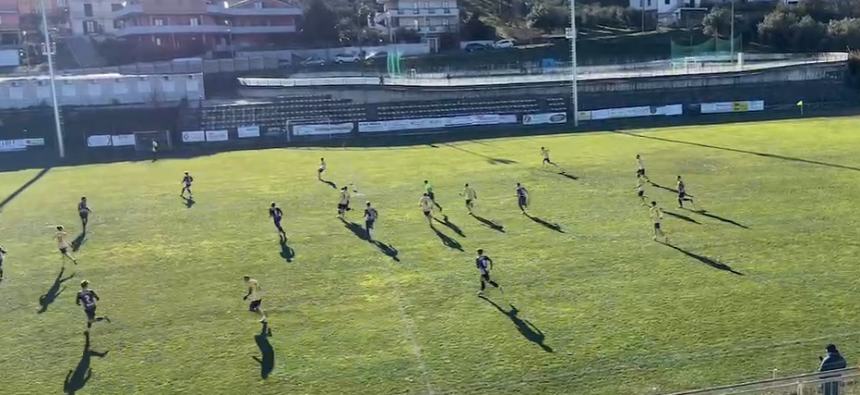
(800, 103)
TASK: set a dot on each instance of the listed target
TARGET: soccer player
(370, 215)
(321, 169)
(545, 154)
(84, 212)
(186, 185)
(682, 194)
(426, 205)
(428, 188)
(470, 195)
(2, 256)
(87, 298)
(640, 190)
(343, 204)
(484, 265)
(63, 245)
(256, 297)
(640, 168)
(277, 214)
(154, 150)
(657, 217)
(522, 198)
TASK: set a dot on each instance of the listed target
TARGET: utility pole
(61, 147)
(574, 96)
(732, 35)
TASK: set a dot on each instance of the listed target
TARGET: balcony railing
(398, 12)
(203, 29)
(285, 11)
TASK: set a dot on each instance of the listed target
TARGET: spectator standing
(833, 361)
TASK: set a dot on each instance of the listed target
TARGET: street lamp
(574, 96)
(230, 38)
(732, 35)
(49, 49)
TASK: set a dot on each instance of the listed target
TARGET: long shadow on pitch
(708, 261)
(489, 223)
(361, 233)
(51, 295)
(24, 187)
(568, 176)
(329, 183)
(79, 241)
(718, 218)
(189, 202)
(762, 154)
(655, 185)
(525, 327)
(287, 252)
(544, 223)
(447, 240)
(450, 225)
(491, 160)
(267, 358)
(78, 378)
(682, 217)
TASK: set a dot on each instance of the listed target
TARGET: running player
(640, 190)
(522, 198)
(429, 190)
(370, 215)
(640, 168)
(343, 204)
(64, 245)
(682, 194)
(470, 195)
(84, 212)
(657, 217)
(277, 215)
(484, 265)
(426, 205)
(154, 150)
(545, 154)
(321, 169)
(256, 297)
(2, 256)
(186, 185)
(88, 298)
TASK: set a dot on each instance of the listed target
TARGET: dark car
(475, 47)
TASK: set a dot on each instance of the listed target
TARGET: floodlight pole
(574, 99)
(732, 35)
(61, 147)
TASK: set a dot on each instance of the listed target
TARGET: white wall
(102, 14)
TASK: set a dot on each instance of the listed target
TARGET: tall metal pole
(732, 35)
(61, 147)
(642, 8)
(574, 96)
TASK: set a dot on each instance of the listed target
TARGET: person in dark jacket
(833, 361)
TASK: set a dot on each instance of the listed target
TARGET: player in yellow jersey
(255, 296)
(426, 205)
(343, 203)
(470, 195)
(63, 245)
(657, 218)
(544, 152)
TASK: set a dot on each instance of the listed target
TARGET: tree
(808, 35)
(548, 18)
(777, 28)
(718, 22)
(475, 29)
(844, 33)
(320, 24)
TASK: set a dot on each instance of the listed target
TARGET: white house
(89, 17)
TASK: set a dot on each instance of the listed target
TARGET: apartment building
(427, 17)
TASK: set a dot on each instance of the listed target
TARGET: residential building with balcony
(427, 17)
(205, 24)
(93, 17)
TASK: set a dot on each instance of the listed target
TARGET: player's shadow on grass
(56, 289)
(24, 187)
(682, 217)
(189, 202)
(450, 225)
(708, 261)
(79, 241)
(78, 378)
(491, 160)
(525, 327)
(546, 224)
(489, 223)
(287, 252)
(656, 185)
(718, 218)
(361, 233)
(762, 154)
(568, 176)
(447, 241)
(267, 358)
(329, 183)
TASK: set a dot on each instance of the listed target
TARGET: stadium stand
(448, 108)
(221, 115)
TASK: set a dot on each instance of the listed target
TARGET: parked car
(313, 61)
(474, 47)
(506, 43)
(346, 58)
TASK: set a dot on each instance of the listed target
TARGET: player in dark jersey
(277, 215)
(522, 198)
(88, 298)
(186, 185)
(484, 265)
(84, 212)
(2, 256)
(370, 216)
(682, 194)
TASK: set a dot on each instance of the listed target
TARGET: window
(114, 7)
(649, 3)
(89, 27)
(667, 2)
(258, 5)
(88, 9)
(158, 41)
(158, 21)
(195, 21)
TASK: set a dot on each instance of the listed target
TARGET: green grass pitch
(599, 307)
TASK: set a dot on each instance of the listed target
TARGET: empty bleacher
(458, 107)
(315, 109)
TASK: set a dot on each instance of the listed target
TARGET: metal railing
(836, 382)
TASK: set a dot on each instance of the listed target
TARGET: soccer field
(760, 281)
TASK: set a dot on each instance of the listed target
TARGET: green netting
(711, 47)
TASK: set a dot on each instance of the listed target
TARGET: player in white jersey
(470, 195)
(544, 152)
(2, 257)
(656, 214)
(640, 168)
(343, 203)
(321, 169)
(63, 244)
(426, 205)
(255, 295)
